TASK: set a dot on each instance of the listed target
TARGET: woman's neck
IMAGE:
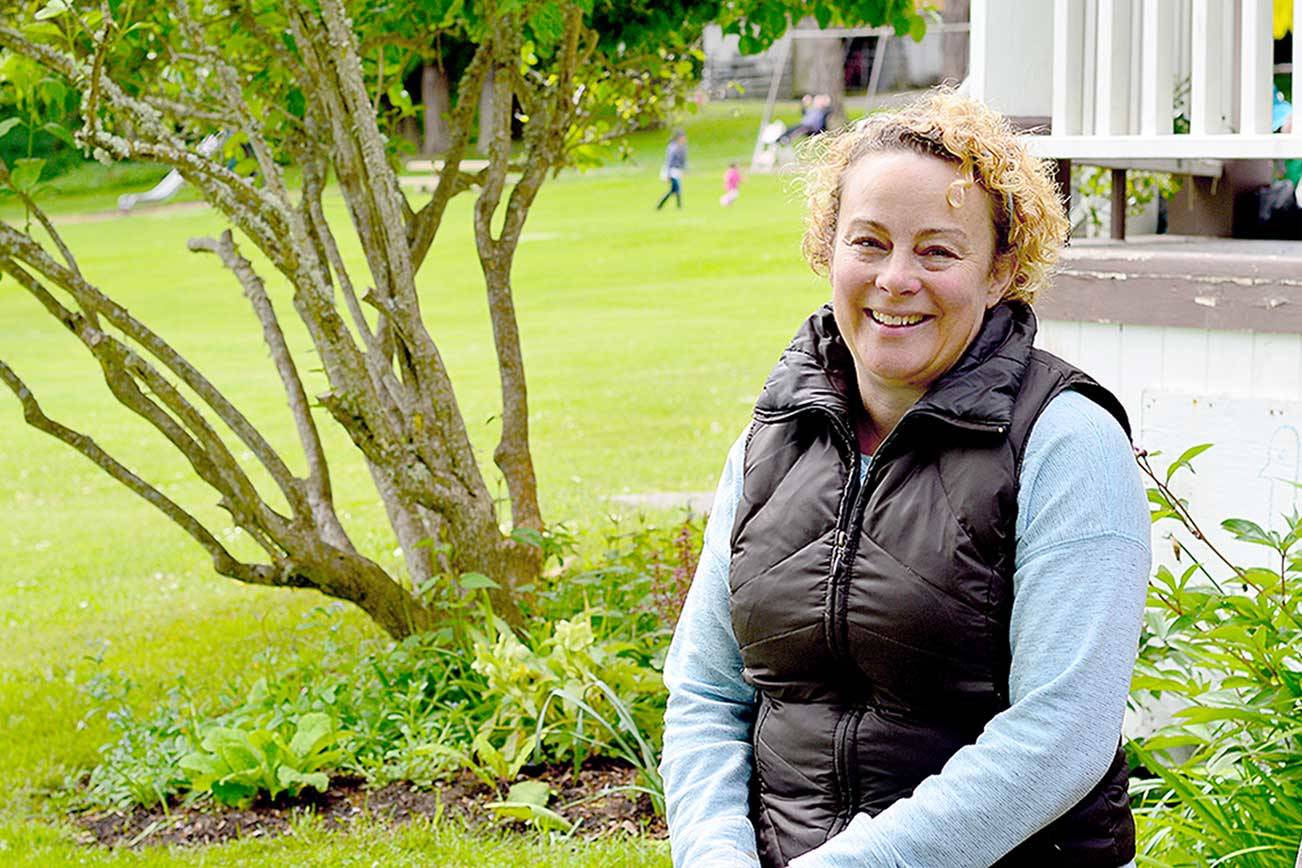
(884, 408)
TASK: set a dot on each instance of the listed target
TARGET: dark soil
(347, 799)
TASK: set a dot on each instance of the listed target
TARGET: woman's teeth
(887, 319)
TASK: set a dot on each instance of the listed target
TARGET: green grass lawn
(647, 336)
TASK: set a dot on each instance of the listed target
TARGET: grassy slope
(647, 336)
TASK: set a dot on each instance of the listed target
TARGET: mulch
(348, 800)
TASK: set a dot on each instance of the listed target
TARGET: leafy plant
(1094, 184)
(527, 801)
(474, 695)
(235, 765)
(1226, 775)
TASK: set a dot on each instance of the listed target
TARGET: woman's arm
(1079, 587)
(707, 754)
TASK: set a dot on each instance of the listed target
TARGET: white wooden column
(1011, 50)
(1208, 93)
(1068, 66)
(1256, 89)
(1112, 103)
(1157, 85)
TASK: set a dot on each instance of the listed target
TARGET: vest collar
(816, 372)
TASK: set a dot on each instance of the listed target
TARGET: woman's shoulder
(1079, 471)
(1074, 420)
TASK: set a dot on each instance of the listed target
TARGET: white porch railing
(1106, 73)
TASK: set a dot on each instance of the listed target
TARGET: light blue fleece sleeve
(706, 763)
(1081, 575)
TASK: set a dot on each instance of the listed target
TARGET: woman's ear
(1001, 278)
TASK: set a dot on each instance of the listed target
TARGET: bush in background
(1226, 775)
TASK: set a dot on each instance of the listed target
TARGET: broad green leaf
(1206, 714)
(528, 536)
(293, 780)
(1247, 531)
(60, 132)
(477, 581)
(544, 818)
(26, 173)
(530, 792)
(233, 793)
(8, 124)
(203, 766)
(315, 731)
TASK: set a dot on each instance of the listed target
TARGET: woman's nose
(899, 274)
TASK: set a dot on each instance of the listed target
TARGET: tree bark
(486, 126)
(954, 65)
(436, 105)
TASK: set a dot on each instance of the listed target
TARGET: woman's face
(911, 274)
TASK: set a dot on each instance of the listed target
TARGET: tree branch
(23, 249)
(223, 561)
(318, 478)
(424, 225)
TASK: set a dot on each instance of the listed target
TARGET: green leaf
(528, 536)
(544, 818)
(1248, 531)
(918, 28)
(53, 9)
(26, 173)
(477, 581)
(315, 731)
(60, 132)
(8, 124)
(294, 780)
(1206, 714)
(1185, 457)
(530, 792)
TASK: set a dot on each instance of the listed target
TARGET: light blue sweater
(1079, 586)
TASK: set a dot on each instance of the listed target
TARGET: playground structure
(770, 151)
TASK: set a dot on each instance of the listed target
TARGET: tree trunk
(954, 66)
(820, 66)
(486, 126)
(434, 99)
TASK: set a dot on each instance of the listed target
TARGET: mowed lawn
(647, 336)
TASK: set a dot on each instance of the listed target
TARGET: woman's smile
(896, 322)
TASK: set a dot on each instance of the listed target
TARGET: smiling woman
(910, 637)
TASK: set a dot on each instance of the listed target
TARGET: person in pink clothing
(731, 185)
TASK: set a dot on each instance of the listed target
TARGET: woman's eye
(939, 251)
(874, 243)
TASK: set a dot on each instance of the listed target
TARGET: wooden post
(1118, 204)
(1062, 177)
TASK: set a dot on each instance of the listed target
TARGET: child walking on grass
(731, 185)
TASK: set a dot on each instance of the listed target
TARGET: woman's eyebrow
(861, 223)
(955, 232)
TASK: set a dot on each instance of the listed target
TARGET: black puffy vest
(873, 618)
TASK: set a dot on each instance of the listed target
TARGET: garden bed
(464, 798)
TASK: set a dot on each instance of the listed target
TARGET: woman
(675, 166)
(910, 639)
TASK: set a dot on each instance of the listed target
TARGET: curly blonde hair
(1030, 225)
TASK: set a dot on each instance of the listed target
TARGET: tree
(317, 85)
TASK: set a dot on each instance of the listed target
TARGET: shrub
(1226, 779)
(583, 681)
